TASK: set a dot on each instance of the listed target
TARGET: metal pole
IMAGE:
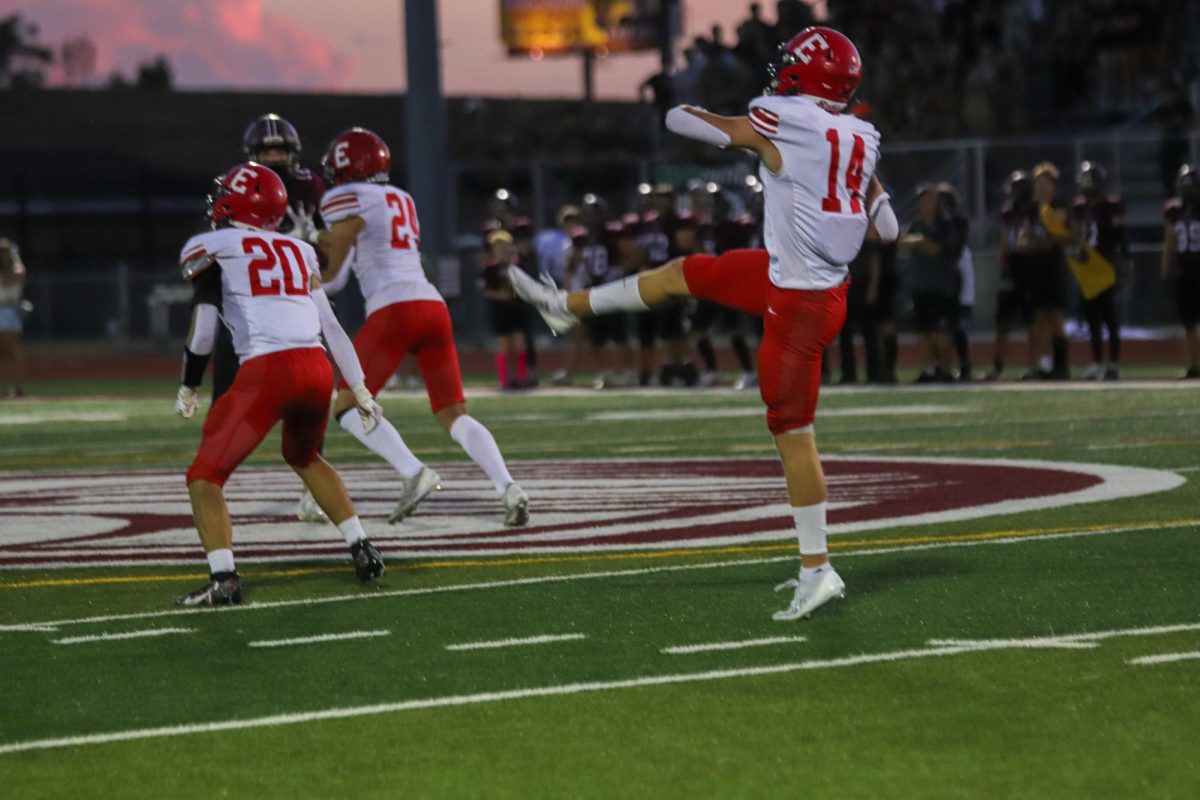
(589, 76)
(425, 151)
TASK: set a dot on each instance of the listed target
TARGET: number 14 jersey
(816, 205)
(387, 257)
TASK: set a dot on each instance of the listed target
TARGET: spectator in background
(859, 320)
(881, 306)
(1048, 279)
(1181, 259)
(960, 321)
(506, 314)
(1098, 221)
(12, 287)
(933, 247)
(552, 246)
(1013, 259)
(522, 234)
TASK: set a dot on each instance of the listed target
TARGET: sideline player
(1181, 259)
(817, 165)
(405, 314)
(269, 290)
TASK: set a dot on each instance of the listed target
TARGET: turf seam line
(518, 642)
(114, 637)
(1164, 658)
(685, 649)
(321, 637)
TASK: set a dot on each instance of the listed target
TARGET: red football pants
(797, 327)
(420, 327)
(293, 386)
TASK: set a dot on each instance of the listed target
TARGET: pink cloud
(209, 43)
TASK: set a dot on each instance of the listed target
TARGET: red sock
(522, 358)
(502, 369)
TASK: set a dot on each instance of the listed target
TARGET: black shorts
(1048, 286)
(884, 309)
(1187, 293)
(1009, 306)
(932, 311)
(608, 328)
(506, 317)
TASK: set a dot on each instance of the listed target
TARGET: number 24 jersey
(387, 257)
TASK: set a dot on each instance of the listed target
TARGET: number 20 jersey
(387, 257)
(815, 214)
(265, 279)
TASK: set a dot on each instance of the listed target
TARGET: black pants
(1101, 312)
(860, 320)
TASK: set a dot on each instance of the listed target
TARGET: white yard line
(707, 647)
(521, 642)
(1035, 643)
(566, 689)
(113, 637)
(570, 577)
(323, 637)
(1165, 658)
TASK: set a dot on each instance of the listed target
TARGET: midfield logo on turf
(95, 518)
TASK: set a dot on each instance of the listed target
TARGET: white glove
(186, 402)
(369, 411)
(303, 226)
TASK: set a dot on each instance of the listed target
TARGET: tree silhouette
(23, 61)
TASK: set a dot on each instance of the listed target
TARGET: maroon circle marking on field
(877, 490)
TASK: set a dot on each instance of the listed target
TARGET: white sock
(622, 295)
(811, 529)
(384, 440)
(481, 447)
(220, 560)
(352, 529)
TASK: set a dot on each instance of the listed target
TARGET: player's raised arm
(202, 270)
(704, 126)
(883, 225)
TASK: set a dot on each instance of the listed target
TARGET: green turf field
(1051, 653)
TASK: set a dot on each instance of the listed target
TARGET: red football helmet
(818, 63)
(248, 196)
(357, 155)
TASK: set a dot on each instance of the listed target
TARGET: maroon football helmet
(818, 63)
(356, 155)
(248, 196)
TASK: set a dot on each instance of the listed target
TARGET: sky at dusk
(340, 45)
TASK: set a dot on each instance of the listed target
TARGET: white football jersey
(815, 214)
(265, 280)
(387, 257)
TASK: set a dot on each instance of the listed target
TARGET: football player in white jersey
(372, 228)
(822, 199)
(268, 288)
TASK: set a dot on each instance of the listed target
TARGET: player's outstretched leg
(563, 310)
(478, 443)
(330, 493)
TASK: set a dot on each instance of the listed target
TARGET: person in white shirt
(372, 228)
(817, 166)
(268, 289)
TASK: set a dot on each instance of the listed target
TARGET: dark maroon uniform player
(1181, 258)
(273, 142)
(1098, 219)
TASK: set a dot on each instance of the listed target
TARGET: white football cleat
(516, 506)
(415, 489)
(307, 509)
(548, 299)
(810, 594)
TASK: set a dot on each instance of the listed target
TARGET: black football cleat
(368, 561)
(222, 589)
